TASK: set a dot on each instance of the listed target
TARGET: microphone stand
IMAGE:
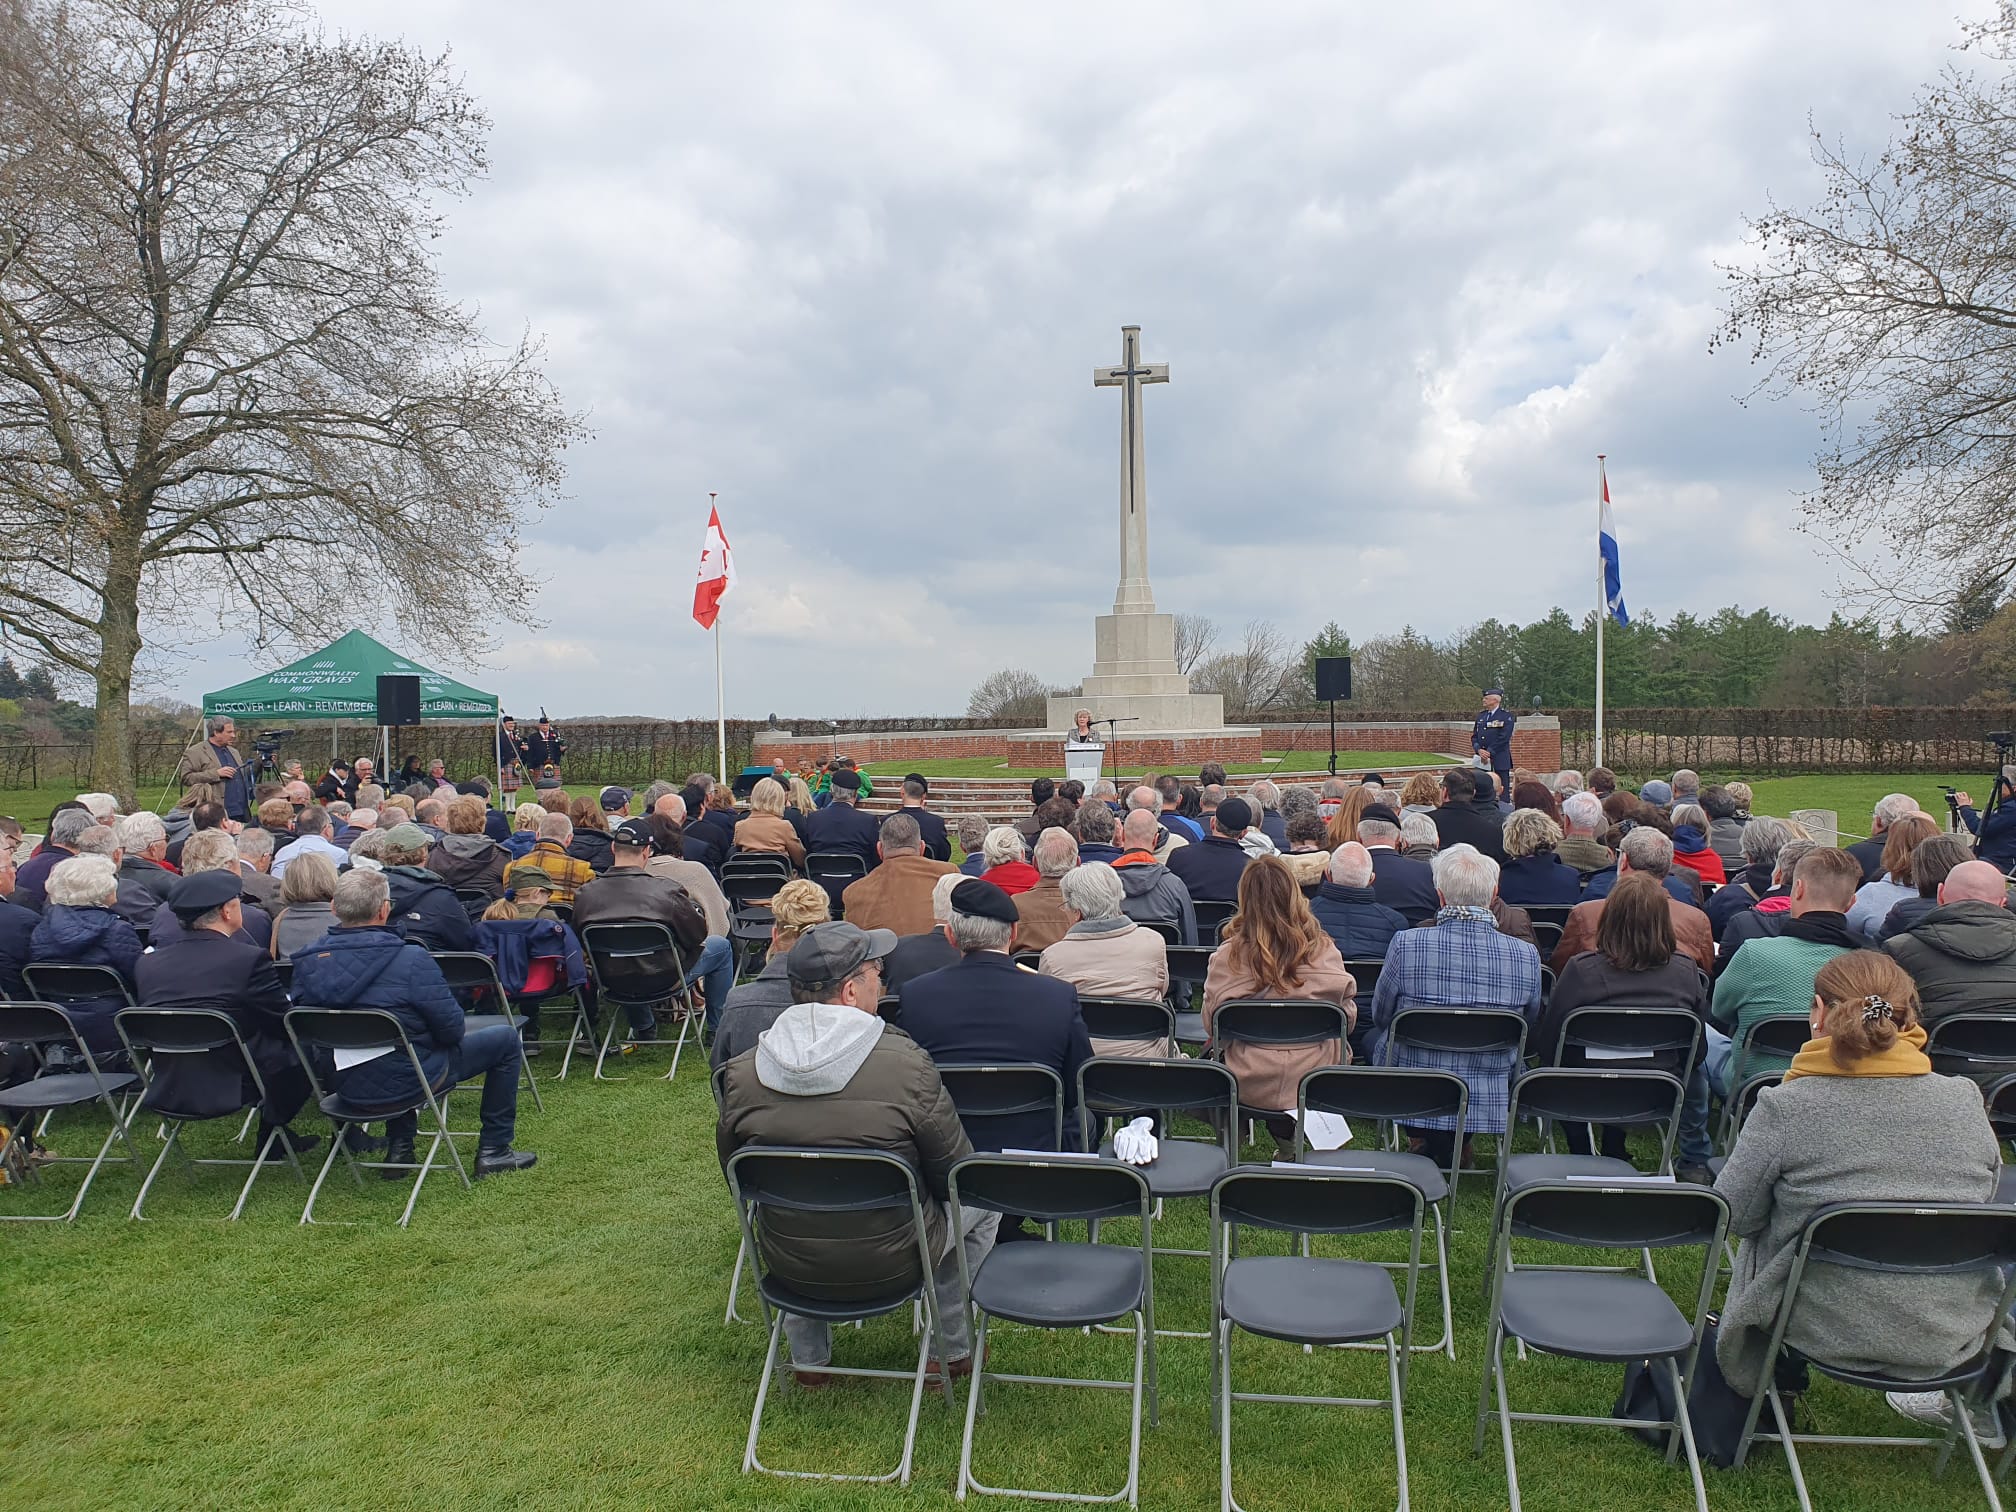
(1113, 739)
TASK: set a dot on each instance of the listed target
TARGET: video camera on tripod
(263, 746)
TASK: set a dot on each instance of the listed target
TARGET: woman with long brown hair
(1274, 948)
(1343, 827)
(1637, 963)
(1897, 884)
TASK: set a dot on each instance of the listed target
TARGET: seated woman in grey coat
(1860, 1118)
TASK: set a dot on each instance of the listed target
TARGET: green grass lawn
(556, 1339)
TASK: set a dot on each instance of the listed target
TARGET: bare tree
(1010, 697)
(1254, 676)
(1196, 634)
(231, 390)
(1889, 305)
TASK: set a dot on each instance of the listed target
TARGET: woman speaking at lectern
(1081, 728)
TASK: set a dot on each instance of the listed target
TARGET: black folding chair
(1311, 1300)
(1391, 1098)
(1907, 1240)
(746, 874)
(475, 900)
(1623, 1038)
(2000, 1100)
(1171, 933)
(1276, 1024)
(1979, 1046)
(1008, 1090)
(647, 945)
(1145, 1023)
(1212, 916)
(1188, 967)
(835, 1181)
(47, 1026)
(373, 1030)
(1738, 1106)
(65, 983)
(472, 977)
(1546, 936)
(1063, 1285)
(1604, 1316)
(165, 1034)
(1554, 916)
(1365, 971)
(1586, 1095)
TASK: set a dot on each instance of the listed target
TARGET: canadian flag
(717, 573)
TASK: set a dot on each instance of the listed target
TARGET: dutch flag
(1606, 546)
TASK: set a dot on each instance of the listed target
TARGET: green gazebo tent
(340, 682)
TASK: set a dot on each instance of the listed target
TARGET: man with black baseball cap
(987, 1010)
(217, 967)
(627, 894)
(828, 1074)
(1211, 868)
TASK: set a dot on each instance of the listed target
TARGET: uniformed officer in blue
(1491, 738)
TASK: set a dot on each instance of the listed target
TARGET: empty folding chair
(986, 1093)
(1390, 1098)
(1145, 1028)
(47, 1027)
(159, 1038)
(1604, 1316)
(1905, 1240)
(370, 1032)
(835, 1182)
(834, 870)
(637, 964)
(1628, 1099)
(472, 977)
(1303, 1299)
(1063, 1285)
(1212, 915)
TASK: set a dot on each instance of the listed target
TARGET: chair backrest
(832, 865)
(177, 1031)
(2001, 1101)
(1145, 1020)
(751, 893)
(1743, 1102)
(475, 898)
(890, 1007)
(1459, 1030)
(283, 967)
(1365, 972)
(37, 1024)
(347, 1028)
(756, 866)
(1780, 1034)
(1189, 963)
(1171, 934)
(718, 1080)
(1120, 1086)
(1031, 959)
(1387, 1094)
(821, 1180)
(471, 972)
(1980, 1045)
(1626, 1215)
(1634, 1031)
(1913, 1238)
(630, 940)
(1546, 936)
(1007, 1090)
(1316, 1200)
(1554, 915)
(1589, 1094)
(73, 982)
(1051, 1191)
(1278, 1021)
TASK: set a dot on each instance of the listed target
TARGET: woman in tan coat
(1105, 954)
(766, 828)
(1274, 948)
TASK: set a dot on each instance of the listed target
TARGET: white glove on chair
(1135, 1144)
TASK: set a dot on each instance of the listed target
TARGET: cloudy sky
(1411, 267)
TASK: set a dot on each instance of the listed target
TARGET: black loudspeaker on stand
(399, 700)
(1333, 681)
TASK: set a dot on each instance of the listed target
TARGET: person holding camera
(1995, 836)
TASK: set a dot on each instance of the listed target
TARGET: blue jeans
(494, 1053)
(713, 968)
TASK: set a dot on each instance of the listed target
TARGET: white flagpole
(1602, 604)
(720, 697)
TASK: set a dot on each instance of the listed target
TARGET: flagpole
(720, 696)
(1602, 604)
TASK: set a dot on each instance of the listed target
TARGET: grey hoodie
(814, 1049)
(1156, 895)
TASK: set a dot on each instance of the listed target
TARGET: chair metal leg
(1777, 1406)
(1966, 1425)
(168, 1146)
(1399, 1419)
(337, 1145)
(735, 1281)
(525, 1065)
(762, 1393)
(1687, 1434)
(258, 1165)
(1494, 1345)
(1497, 1370)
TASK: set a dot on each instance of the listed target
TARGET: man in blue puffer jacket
(1349, 912)
(363, 963)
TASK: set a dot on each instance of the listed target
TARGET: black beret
(979, 899)
(195, 896)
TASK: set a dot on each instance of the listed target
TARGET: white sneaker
(1935, 1410)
